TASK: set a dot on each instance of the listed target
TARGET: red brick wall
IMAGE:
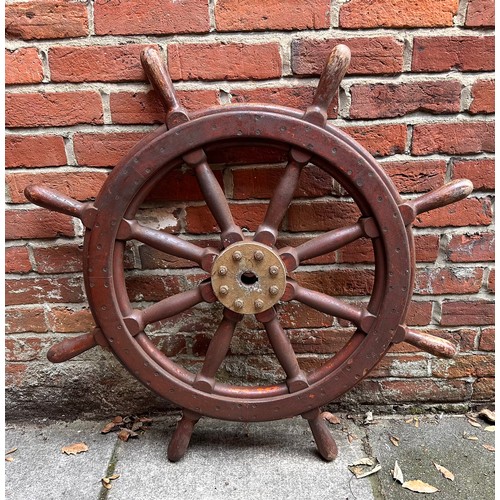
(418, 96)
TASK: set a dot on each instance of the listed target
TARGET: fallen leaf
(446, 473)
(125, 434)
(114, 476)
(394, 440)
(12, 450)
(489, 428)
(118, 420)
(368, 418)
(409, 421)
(352, 437)
(106, 481)
(489, 447)
(74, 449)
(364, 467)
(470, 437)
(9, 459)
(330, 417)
(397, 473)
(474, 423)
(419, 486)
(110, 426)
(487, 415)
(417, 422)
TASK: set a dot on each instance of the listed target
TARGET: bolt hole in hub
(248, 277)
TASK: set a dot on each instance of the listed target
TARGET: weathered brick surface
(480, 13)
(23, 66)
(53, 109)
(419, 96)
(34, 151)
(216, 61)
(155, 17)
(389, 100)
(246, 15)
(467, 53)
(46, 19)
(397, 14)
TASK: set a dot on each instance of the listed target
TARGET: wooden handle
(157, 73)
(69, 348)
(431, 344)
(445, 195)
(48, 198)
(334, 71)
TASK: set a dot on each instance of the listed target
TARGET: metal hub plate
(248, 277)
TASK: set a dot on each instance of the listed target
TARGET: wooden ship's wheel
(249, 275)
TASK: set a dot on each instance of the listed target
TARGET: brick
(487, 339)
(491, 281)
(358, 252)
(104, 150)
(338, 282)
(37, 223)
(43, 290)
(170, 344)
(397, 14)
(229, 61)
(402, 366)
(58, 259)
(425, 390)
(17, 260)
(386, 100)
(324, 341)
(106, 63)
(478, 247)
(463, 53)
(23, 66)
(145, 107)
(379, 140)
(419, 313)
(426, 247)
(468, 212)
(53, 109)
(457, 313)
(483, 389)
(166, 219)
(78, 185)
(464, 365)
(24, 349)
(416, 176)
(14, 374)
(155, 17)
(246, 15)
(34, 151)
(151, 287)
(456, 280)
(261, 182)
(248, 216)
(21, 320)
(321, 215)
(179, 185)
(480, 13)
(293, 97)
(69, 320)
(46, 19)
(453, 138)
(481, 172)
(297, 315)
(483, 97)
(377, 55)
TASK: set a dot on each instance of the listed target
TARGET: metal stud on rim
(249, 275)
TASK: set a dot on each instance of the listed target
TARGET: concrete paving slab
(40, 471)
(435, 440)
(227, 460)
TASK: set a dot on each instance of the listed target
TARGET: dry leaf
(118, 420)
(364, 467)
(474, 423)
(394, 440)
(74, 449)
(489, 428)
(12, 450)
(487, 415)
(114, 476)
(489, 447)
(106, 481)
(397, 473)
(9, 459)
(110, 426)
(368, 418)
(470, 437)
(352, 437)
(124, 434)
(446, 473)
(409, 421)
(419, 486)
(417, 423)
(330, 417)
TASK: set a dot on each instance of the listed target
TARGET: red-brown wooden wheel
(249, 275)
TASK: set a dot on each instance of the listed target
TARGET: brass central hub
(248, 277)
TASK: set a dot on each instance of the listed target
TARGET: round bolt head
(238, 303)
(237, 255)
(222, 270)
(258, 255)
(224, 290)
(259, 304)
(273, 290)
(274, 270)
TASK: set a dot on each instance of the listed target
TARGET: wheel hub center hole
(249, 278)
